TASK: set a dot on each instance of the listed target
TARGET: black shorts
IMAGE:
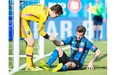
(64, 59)
(97, 20)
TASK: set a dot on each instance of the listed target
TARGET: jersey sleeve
(67, 41)
(90, 46)
(41, 27)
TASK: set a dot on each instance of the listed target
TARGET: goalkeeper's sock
(65, 67)
(29, 60)
(53, 57)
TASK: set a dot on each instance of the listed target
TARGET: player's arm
(58, 43)
(44, 34)
(67, 41)
(96, 55)
(42, 31)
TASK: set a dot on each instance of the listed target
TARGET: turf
(100, 65)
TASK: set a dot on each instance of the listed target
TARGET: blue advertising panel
(64, 27)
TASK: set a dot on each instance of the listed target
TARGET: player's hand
(53, 37)
(90, 66)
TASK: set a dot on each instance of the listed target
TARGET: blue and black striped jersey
(79, 49)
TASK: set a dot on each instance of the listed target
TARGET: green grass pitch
(100, 64)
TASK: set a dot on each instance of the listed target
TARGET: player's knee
(60, 52)
(32, 43)
(59, 49)
(70, 65)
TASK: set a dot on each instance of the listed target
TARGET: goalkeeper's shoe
(36, 67)
(32, 69)
(44, 66)
(56, 69)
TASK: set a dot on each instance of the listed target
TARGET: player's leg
(72, 65)
(27, 35)
(56, 53)
(99, 31)
(29, 51)
(51, 59)
(68, 65)
(95, 26)
(100, 20)
(63, 59)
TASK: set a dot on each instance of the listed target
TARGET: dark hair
(57, 8)
(80, 29)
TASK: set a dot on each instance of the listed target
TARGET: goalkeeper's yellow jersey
(37, 13)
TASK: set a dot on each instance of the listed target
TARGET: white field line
(35, 59)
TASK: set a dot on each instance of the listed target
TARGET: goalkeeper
(38, 13)
(80, 47)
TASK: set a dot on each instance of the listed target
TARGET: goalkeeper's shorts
(25, 30)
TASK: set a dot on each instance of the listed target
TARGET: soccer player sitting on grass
(38, 13)
(80, 47)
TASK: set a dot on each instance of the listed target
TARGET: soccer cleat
(36, 67)
(43, 65)
(32, 69)
(56, 69)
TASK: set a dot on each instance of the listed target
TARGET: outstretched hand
(53, 37)
(90, 66)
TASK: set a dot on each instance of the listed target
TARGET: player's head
(56, 10)
(80, 32)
